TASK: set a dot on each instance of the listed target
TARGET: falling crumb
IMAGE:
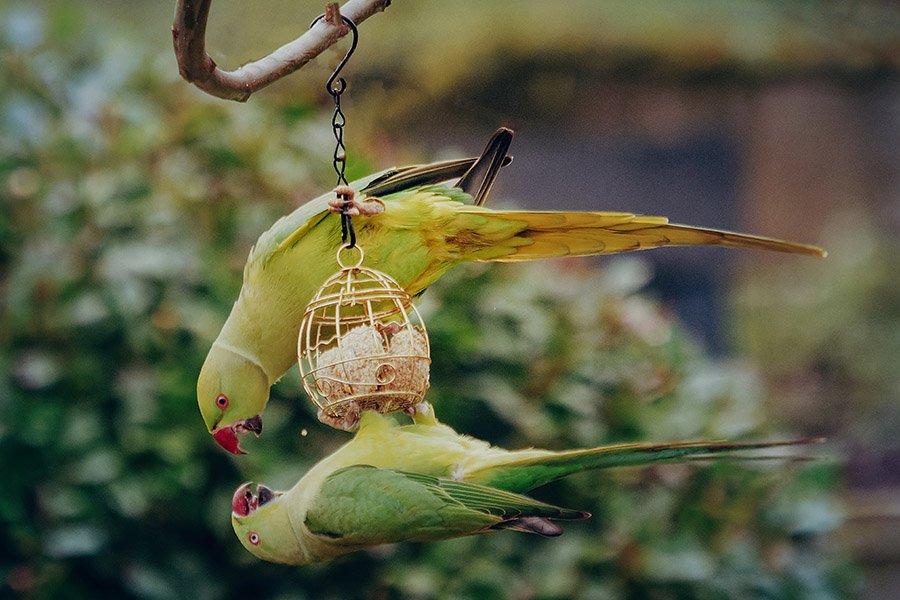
(303, 432)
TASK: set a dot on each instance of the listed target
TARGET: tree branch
(196, 66)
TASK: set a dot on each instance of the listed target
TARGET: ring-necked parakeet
(425, 482)
(415, 232)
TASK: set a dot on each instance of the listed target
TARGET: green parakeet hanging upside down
(424, 482)
(414, 229)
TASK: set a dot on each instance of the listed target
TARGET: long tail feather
(531, 470)
(508, 236)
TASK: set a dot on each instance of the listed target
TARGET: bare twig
(196, 66)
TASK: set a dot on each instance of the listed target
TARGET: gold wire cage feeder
(363, 344)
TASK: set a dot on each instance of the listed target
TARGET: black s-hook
(342, 83)
(336, 86)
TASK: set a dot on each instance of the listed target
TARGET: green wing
(476, 175)
(288, 230)
(363, 505)
(404, 178)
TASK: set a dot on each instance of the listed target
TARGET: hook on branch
(337, 18)
(196, 66)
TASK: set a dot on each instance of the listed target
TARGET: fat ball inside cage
(363, 341)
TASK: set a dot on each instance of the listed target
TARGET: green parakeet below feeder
(425, 482)
(415, 230)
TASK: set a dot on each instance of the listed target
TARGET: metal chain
(339, 162)
(336, 86)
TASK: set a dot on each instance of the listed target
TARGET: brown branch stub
(196, 66)
(333, 14)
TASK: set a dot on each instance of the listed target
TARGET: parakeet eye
(253, 538)
(222, 401)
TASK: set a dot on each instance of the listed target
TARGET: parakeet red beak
(227, 436)
(245, 502)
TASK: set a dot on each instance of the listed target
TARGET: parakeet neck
(242, 336)
(300, 497)
(265, 322)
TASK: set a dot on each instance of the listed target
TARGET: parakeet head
(232, 391)
(262, 523)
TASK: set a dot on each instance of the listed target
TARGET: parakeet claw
(422, 413)
(344, 203)
(348, 422)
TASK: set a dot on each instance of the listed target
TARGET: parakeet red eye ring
(222, 401)
(253, 538)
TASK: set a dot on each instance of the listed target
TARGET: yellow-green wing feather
(288, 230)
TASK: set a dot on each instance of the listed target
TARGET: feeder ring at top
(349, 247)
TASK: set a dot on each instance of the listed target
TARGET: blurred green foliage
(129, 201)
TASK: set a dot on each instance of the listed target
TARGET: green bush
(129, 202)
